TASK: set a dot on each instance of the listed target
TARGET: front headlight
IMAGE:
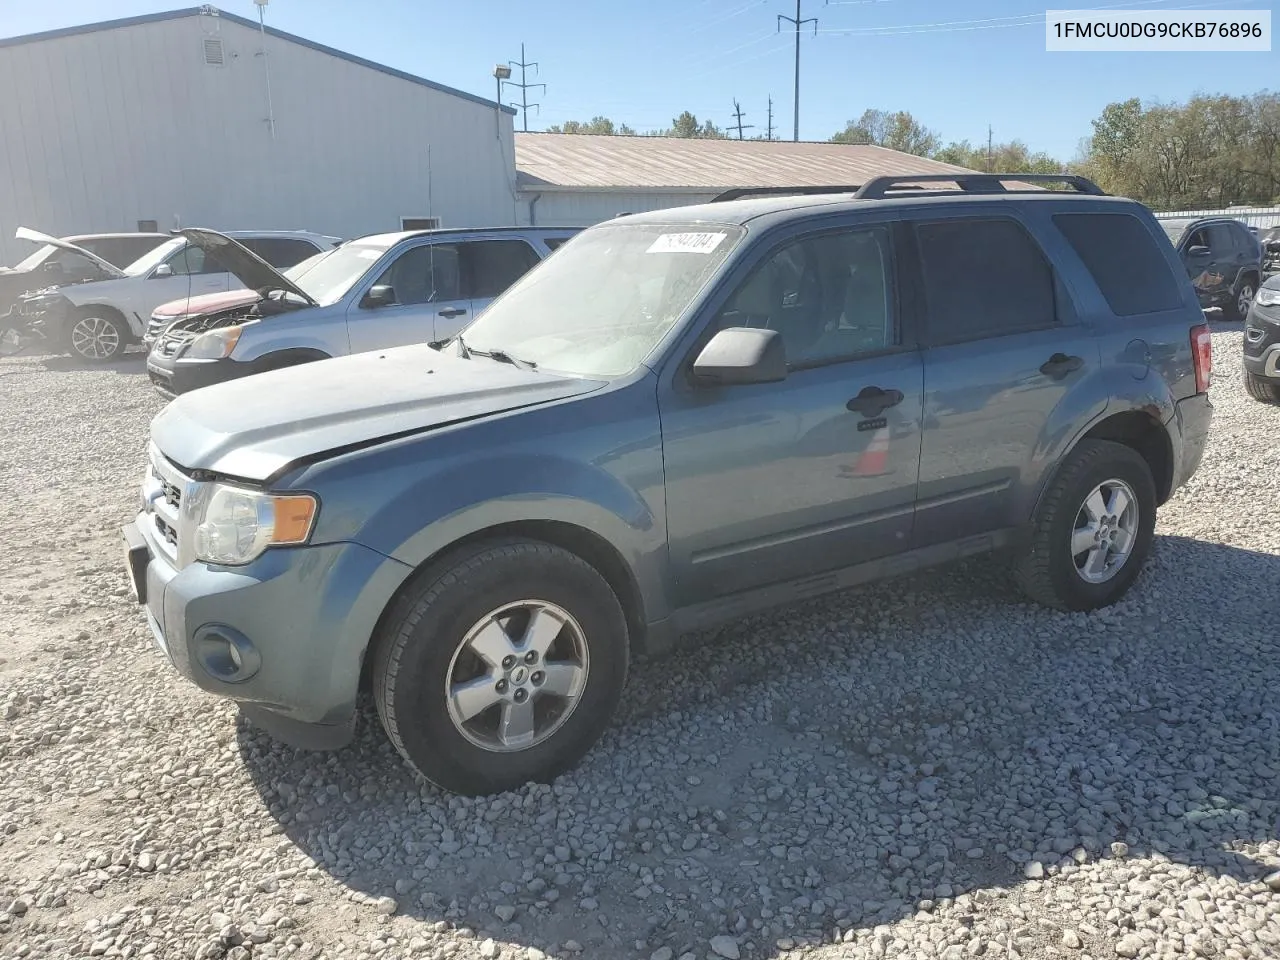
(214, 345)
(1268, 297)
(237, 524)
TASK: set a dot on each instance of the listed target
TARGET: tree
(1011, 157)
(596, 125)
(1213, 150)
(897, 131)
(686, 125)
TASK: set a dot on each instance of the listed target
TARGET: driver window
(424, 274)
(828, 296)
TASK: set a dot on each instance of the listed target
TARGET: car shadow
(843, 763)
(131, 363)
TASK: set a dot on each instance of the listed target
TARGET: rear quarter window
(1124, 260)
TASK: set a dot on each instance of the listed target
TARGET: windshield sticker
(686, 243)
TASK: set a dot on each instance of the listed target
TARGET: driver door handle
(873, 401)
(1059, 365)
(452, 312)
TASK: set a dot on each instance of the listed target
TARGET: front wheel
(97, 334)
(1092, 531)
(1268, 391)
(501, 666)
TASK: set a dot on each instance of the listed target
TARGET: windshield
(39, 257)
(329, 278)
(298, 269)
(153, 258)
(608, 296)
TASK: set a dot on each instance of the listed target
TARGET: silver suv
(371, 293)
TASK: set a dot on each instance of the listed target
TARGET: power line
(737, 114)
(798, 23)
(523, 86)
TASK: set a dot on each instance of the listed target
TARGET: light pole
(501, 71)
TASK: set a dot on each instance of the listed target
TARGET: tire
(97, 334)
(423, 649)
(1046, 569)
(1241, 299)
(1268, 391)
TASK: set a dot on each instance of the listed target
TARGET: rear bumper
(283, 636)
(1191, 420)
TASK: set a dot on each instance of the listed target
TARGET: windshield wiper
(500, 355)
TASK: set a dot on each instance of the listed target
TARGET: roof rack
(878, 188)
(737, 193)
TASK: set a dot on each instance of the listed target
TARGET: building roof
(210, 10)
(564, 161)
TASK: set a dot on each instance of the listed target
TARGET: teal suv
(678, 418)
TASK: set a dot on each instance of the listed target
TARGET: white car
(96, 321)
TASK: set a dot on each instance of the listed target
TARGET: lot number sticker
(686, 243)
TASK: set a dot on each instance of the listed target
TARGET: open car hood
(35, 236)
(249, 268)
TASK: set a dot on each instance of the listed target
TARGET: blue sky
(957, 65)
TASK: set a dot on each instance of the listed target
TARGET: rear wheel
(1268, 391)
(1243, 299)
(97, 334)
(1092, 531)
(501, 666)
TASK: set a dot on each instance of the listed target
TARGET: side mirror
(1198, 252)
(164, 270)
(382, 295)
(740, 355)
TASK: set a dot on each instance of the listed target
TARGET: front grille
(164, 491)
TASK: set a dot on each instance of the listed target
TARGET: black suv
(1223, 258)
(1262, 343)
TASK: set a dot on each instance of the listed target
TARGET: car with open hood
(79, 259)
(97, 320)
(373, 292)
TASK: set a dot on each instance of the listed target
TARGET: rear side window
(983, 278)
(554, 242)
(494, 265)
(1124, 260)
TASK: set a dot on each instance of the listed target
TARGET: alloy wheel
(1105, 530)
(517, 676)
(95, 338)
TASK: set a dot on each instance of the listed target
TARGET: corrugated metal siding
(103, 129)
(571, 209)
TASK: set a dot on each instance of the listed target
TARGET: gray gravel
(928, 768)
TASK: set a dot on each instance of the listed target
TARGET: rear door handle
(1059, 365)
(452, 312)
(873, 401)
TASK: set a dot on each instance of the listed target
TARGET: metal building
(580, 179)
(196, 117)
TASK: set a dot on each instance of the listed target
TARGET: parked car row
(94, 307)
(1224, 259)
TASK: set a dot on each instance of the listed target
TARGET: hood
(249, 268)
(206, 303)
(26, 233)
(254, 427)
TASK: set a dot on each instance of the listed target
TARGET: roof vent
(213, 51)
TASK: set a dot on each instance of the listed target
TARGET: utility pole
(798, 23)
(737, 113)
(769, 135)
(989, 157)
(524, 103)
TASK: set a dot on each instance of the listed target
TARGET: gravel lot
(925, 768)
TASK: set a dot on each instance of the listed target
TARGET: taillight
(1202, 354)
